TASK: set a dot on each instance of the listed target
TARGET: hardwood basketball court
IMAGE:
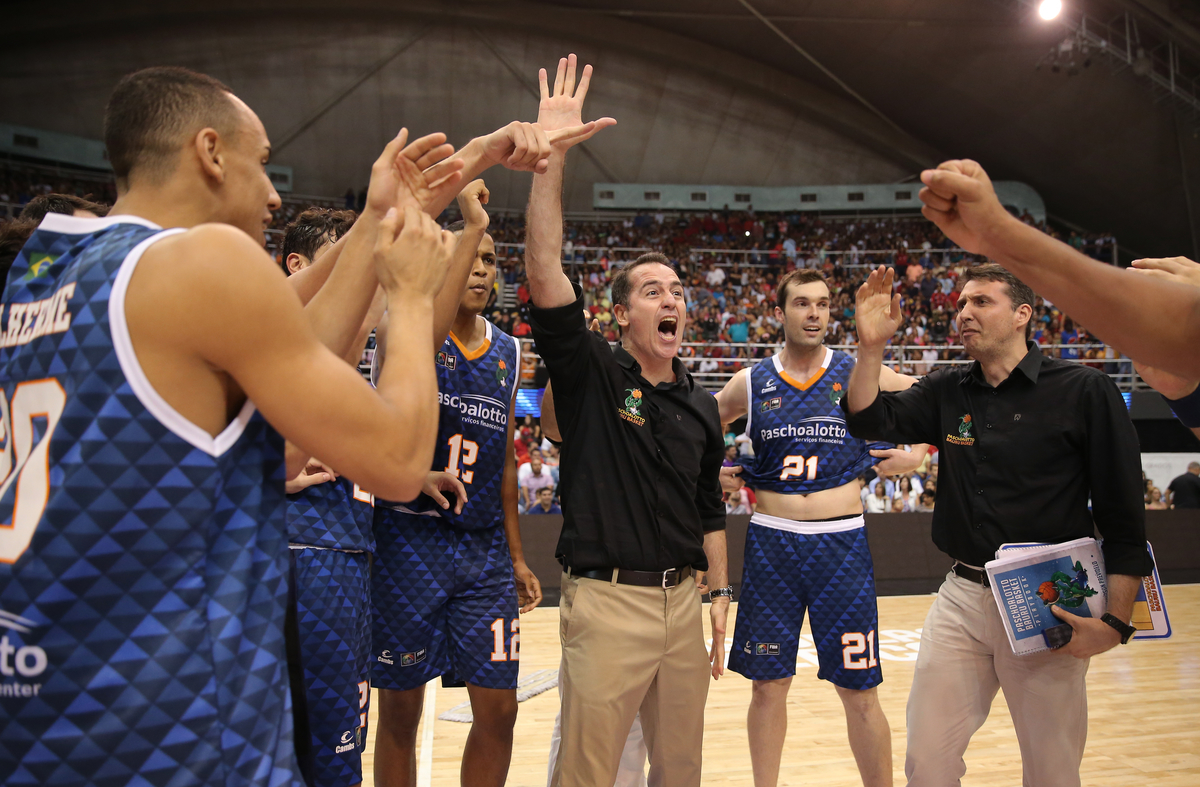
(1144, 719)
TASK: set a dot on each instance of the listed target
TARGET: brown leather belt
(647, 579)
(971, 574)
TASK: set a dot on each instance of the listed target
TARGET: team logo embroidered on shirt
(767, 405)
(836, 393)
(631, 412)
(966, 432)
(448, 360)
(501, 372)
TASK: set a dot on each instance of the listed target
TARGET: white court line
(429, 716)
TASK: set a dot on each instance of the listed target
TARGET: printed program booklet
(1029, 579)
(1149, 608)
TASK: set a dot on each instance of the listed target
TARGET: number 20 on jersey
(25, 464)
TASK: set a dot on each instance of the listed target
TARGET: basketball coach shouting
(1025, 440)
(642, 509)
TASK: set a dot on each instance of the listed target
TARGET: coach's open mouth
(667, 328)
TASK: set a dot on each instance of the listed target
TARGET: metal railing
(1120, 369)
(764, 258)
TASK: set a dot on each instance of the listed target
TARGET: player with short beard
(806, 546)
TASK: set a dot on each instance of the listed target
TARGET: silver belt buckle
(664, 582)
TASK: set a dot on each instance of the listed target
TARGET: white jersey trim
(81, 225)
(808, 528)
(157, 406)
(299, 547)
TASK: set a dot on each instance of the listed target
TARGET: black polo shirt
(1019, 462)
(639, 473)
(1185, 491)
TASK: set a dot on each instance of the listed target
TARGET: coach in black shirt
(640, 462)
(1024, 442)
(639, 477)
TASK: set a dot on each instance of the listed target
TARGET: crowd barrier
(906, 560)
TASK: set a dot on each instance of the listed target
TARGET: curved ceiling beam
(601, 30)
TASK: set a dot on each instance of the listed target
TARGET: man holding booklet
(1025, 441)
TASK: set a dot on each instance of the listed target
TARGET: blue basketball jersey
(475, 391)
(334, 515)
(801, 444)
(143, 562)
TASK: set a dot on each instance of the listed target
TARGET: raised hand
(414, 259)
(437, 482)
(960, 199)
(471, 201)
(562, 110)
(1176, 269)
(419, 174)
(877, 309)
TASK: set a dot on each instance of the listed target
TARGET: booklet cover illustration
(1028, 582)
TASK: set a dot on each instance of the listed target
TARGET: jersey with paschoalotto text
(334, 515)
(801, 443)
(143, 562)
(475, 391)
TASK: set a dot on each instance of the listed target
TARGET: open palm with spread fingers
(562, 109)
(417, 173)
(877, 309)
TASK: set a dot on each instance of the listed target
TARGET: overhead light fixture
(1049, 9)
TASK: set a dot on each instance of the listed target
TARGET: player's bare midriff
(843, 500)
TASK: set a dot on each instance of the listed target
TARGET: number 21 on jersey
(25, 464)
(799, 467)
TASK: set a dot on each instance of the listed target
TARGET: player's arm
(1180, 392)
(732, 399)
(1152, 320)
(213, 296)
(403, 175)
(475, 223)
(529, 590)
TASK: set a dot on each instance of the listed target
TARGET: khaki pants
(627, 649)
(965, 657)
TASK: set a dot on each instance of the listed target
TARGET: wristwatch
(1124, 629)
(726, 592)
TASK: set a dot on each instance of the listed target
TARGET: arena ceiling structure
(738, 92)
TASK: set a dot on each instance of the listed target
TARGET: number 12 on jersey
(799, 467)
(468, 450)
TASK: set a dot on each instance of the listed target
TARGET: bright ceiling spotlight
(1049, 9)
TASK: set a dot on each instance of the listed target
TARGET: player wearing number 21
(806, 546)
(449, 566)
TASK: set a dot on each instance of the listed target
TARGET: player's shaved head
(153, 112)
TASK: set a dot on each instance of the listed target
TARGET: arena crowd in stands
(730, 262)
